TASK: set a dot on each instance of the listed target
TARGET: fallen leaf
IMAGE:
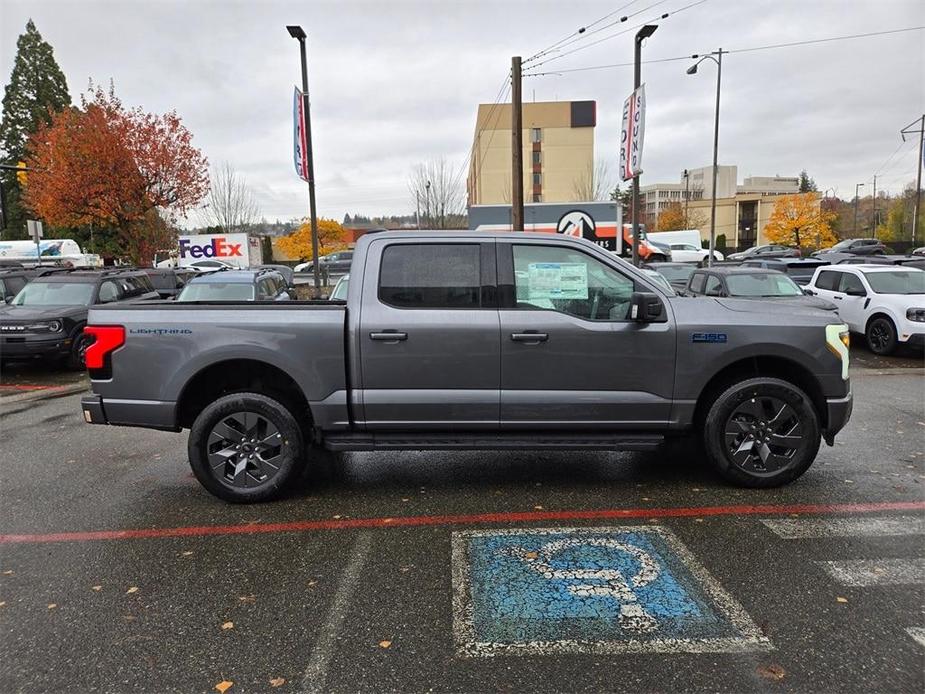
(387, 520)
(96, 588)
(186, 553)
(405, 498)
(538, 508)
(8, 572)
(336, 517)
(247, 598)
(2, 603)
(224, 686)
(771, 672)
(311, 583)
(228, 625)
(133, 589)
(841, 599)
(531, 555)
(849, 481)
(128, 617)
(52, 605)
(698, 520)
(645, 498)
(277, 681)
(385, 644)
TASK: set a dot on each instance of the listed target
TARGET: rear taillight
(108, 338)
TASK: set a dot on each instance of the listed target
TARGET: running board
(388, 441)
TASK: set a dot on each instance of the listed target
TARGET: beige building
(742, 210)
(558, 152)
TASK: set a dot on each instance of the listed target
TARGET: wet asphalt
(371, 609)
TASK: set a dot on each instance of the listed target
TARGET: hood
(778, 307)
(15, 314)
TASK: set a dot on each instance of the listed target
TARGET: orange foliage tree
(799, 220)
(674, 218)
(331, 237)
(110, 167)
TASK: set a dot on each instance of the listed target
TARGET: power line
(735, 50)
(619, 33)
(578, 32)
(495, 104)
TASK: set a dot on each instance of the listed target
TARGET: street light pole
(297, 33)
(687, 197)
(641, 36)
(719, 77)
(857, 187)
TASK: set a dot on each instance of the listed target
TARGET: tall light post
(857, 187)
(297, 33)
(641, 36)
(692, 70)
(687, 196)
(427, 214)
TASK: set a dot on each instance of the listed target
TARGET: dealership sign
(631, 137)
(231, 248)
(299, 135)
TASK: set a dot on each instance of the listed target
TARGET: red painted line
(16, 386)
(417, 521)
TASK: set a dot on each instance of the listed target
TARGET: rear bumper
(151, 414)
(838, 411)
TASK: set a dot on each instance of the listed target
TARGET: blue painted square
(590, 585)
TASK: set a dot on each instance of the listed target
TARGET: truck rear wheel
(762, 432)
(246, 448)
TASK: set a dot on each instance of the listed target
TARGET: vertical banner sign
(631, 136)
(299, 139)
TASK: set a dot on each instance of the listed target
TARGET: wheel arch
(237, 375)
(757, 366)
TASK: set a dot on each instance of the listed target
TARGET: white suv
(689, 253)
(886, 303)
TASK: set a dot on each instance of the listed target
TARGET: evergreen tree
(36, 87)
(807, 185)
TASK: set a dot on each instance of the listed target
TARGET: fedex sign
(230, 248)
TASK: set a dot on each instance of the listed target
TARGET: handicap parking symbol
(593, 590)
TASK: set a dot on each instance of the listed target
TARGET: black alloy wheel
(881, 336)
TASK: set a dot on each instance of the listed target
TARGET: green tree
(37, 88)
(807, 184)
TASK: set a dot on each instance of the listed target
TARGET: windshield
(762, 284)
(675, 273)
(897, 282)
(217, 291)
(660, 281)
(55, 294)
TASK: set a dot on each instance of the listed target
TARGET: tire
(77, 359)
(881, 336)
(777, 418)
(245, 448)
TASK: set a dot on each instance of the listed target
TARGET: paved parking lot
(463, 572)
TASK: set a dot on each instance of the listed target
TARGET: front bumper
(838, 412)
(27, 346)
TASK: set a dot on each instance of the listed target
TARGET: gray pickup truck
(468, 340)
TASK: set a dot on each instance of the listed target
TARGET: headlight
(916, 314)
(51, 326)
(838, 339)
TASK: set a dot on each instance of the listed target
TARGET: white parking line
(860, 573)
(317, 671)
(799, 528)
(918, 633)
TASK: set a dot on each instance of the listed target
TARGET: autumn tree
(675, 218)
(331, 237)
(799, 220)
(36, 90)
(110, 167)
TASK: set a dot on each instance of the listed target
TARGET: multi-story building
(558, 152)
(742, 211)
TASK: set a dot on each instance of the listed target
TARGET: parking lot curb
(45, 394)
(897, 371)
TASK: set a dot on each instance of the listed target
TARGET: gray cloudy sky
(396, 82)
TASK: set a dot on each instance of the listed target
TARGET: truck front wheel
(761, 432)
(246, 448)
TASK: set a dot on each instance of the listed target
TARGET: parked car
(689, 253)
(918, 251)
(236, 285)
(800, 270)
(335, 264)
(12, 279)
(856, 246)
(912, 261)
(287, 272)
(677, 274)
(751, 283)
(767, 251)
(47, 317)
(339, 292)
(209, 265)
(168, 281)
(661, 254)
(475, 340)
(885, 304)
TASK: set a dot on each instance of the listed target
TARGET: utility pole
(918, 178)
(874, 218)
(641, 36)
(517, 148)
(417, 208)
(687, 197)
(857, 199)
(297, 32)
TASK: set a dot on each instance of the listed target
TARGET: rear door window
(828, 280)
(850, 282)
(431, 275)
(714, 286)
(697, 282)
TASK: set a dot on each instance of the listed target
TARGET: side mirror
(8, 300)
(808, 292)
(856, 292)
(645, 307)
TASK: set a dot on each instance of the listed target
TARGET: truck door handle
(388, 336)
(837, 298)
(529, 337)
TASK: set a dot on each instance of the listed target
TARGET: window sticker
(557, 281)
